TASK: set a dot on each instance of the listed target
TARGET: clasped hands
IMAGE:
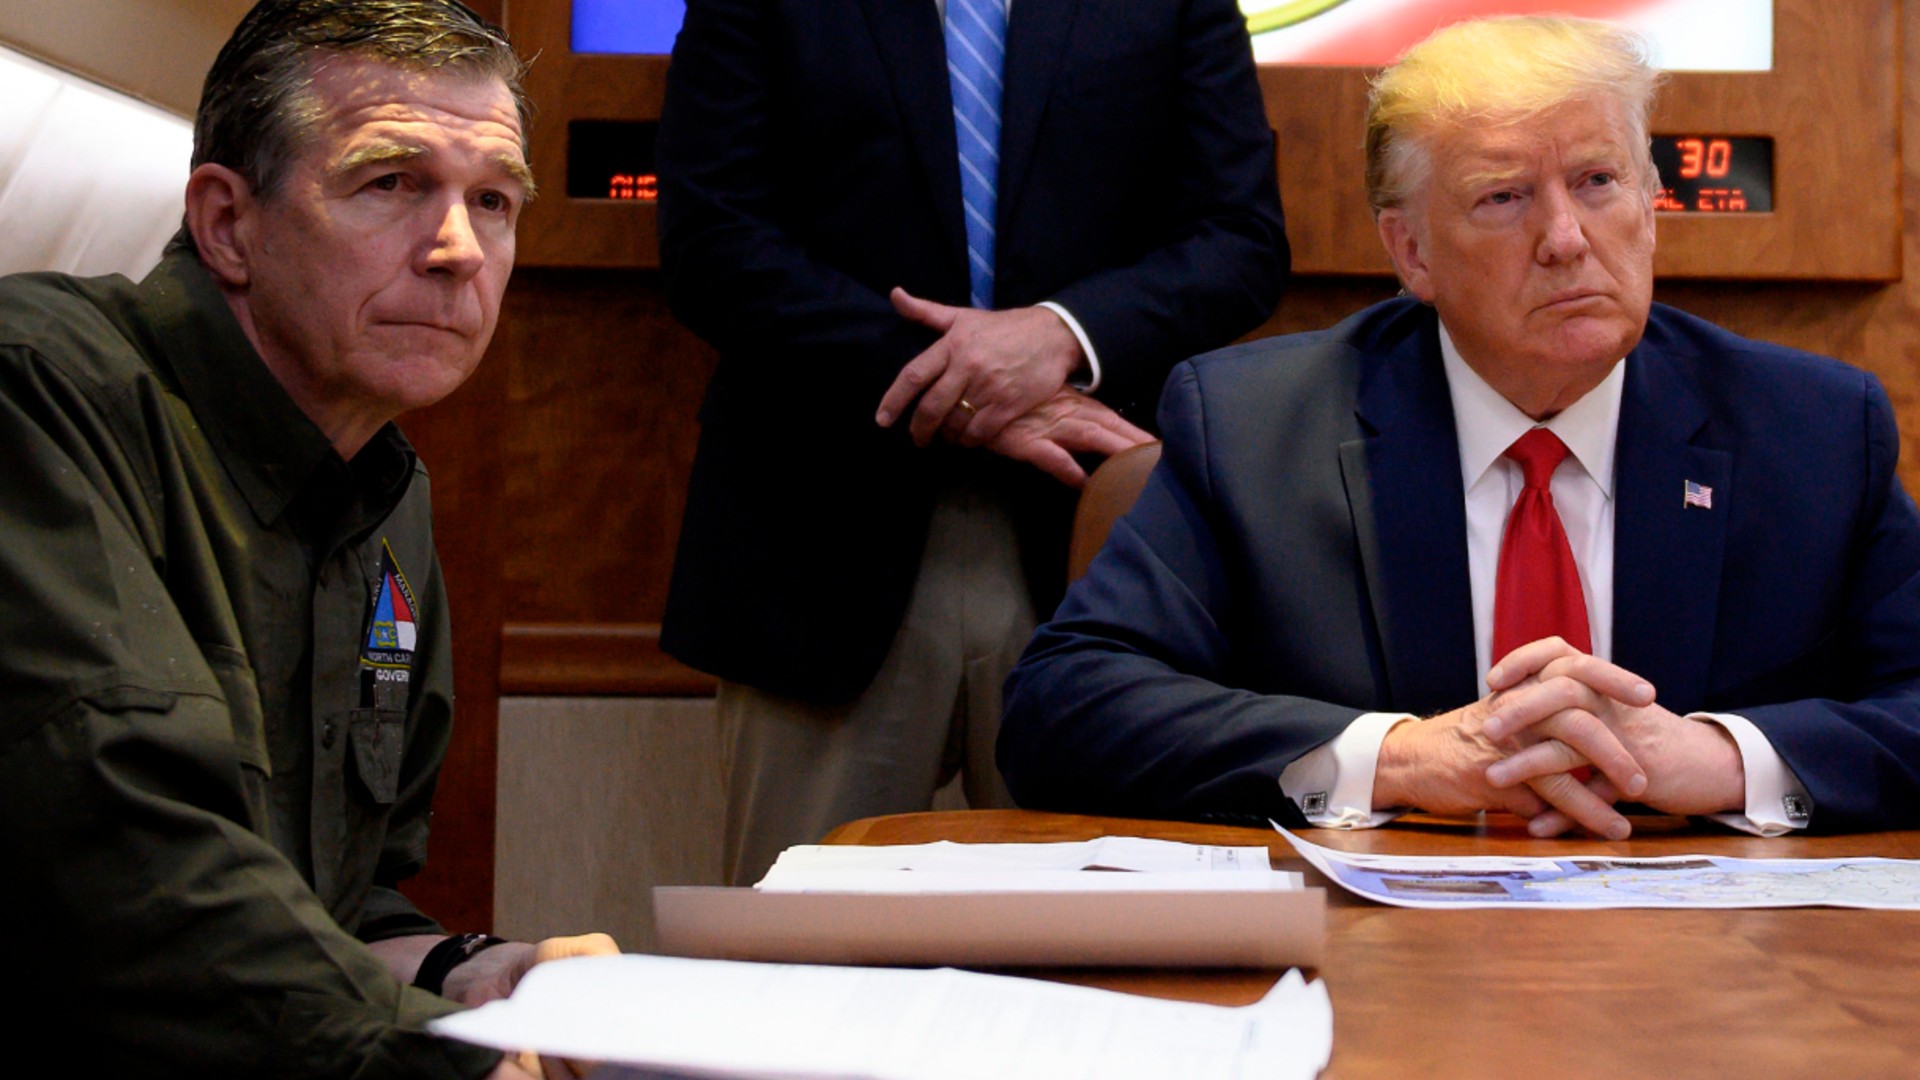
(1551, 709)
(998, 379)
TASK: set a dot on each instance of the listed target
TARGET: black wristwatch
(450, 953)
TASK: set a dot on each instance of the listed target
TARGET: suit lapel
(1403, 487)
(912, 46)
(1037, 33)
(1666, 555)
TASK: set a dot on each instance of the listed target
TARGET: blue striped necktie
(976, 51)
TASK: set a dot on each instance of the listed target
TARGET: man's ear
(221, 208)
(1402, 241)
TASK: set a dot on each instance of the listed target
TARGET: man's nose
(1563, 237)
(455, 248)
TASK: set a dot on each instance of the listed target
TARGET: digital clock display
(612, 159)
(1714, 174)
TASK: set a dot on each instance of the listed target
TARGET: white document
(1608, 881)
(1105, 853)
(1019, 881)
(723, 1018)
(947, 867)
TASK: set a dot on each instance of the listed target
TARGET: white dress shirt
(1333, 784)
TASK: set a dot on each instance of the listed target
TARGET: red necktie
(1537, 589)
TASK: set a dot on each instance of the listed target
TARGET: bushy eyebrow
(1489, 177)
(377, 154)
(515, 166)
(387, 153)
(1496, 173)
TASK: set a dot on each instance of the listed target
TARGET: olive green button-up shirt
(224, 697)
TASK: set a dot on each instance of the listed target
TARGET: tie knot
(1538, 453)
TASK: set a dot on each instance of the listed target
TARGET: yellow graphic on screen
(1286, 13)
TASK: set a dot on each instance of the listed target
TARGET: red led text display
(1713, 174)
(612, 159)
(644, 187)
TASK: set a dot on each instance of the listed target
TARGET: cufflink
(1797, 807)
(1315, 803)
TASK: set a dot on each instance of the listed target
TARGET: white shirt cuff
(1092, 371)
(1332, 784)
(1777, 802)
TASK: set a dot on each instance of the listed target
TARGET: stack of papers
(1116, 901)
(714, 1018)
(1144, 865)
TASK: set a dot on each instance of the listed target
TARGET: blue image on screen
(646, 27)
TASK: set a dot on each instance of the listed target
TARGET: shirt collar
(1487, 423)
(268, 446)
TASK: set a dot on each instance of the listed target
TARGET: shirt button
(326, 735)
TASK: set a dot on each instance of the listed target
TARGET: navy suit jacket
(1299, 557)
(808, 165)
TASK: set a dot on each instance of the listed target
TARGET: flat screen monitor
(1685, 35)
(630, 27)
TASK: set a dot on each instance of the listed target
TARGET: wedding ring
(967, 407)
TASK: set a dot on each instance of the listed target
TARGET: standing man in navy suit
(943, 246)
(1692, 570)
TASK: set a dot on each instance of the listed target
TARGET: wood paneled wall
(559, 474)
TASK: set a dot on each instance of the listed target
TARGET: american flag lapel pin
(1699, 495)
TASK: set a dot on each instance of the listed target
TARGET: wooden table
(1803, 992)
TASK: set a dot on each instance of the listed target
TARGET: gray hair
(257, 109)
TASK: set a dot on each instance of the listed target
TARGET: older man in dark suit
(941, 247)
(1692, 569)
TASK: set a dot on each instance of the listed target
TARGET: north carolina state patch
(386, 655)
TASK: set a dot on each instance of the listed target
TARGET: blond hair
(1500, 71)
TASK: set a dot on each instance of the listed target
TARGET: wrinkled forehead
(351, 93)
(1573, 134)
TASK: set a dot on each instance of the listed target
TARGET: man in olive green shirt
(224, 652)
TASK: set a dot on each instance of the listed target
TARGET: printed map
(1681, 881)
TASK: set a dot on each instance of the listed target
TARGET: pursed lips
(427, 324)
(1571, 296)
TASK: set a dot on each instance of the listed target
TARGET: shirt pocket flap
(379, 742)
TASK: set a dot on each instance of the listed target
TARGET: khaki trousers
(795, 770)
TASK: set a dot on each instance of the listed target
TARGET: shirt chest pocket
(378, 741)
